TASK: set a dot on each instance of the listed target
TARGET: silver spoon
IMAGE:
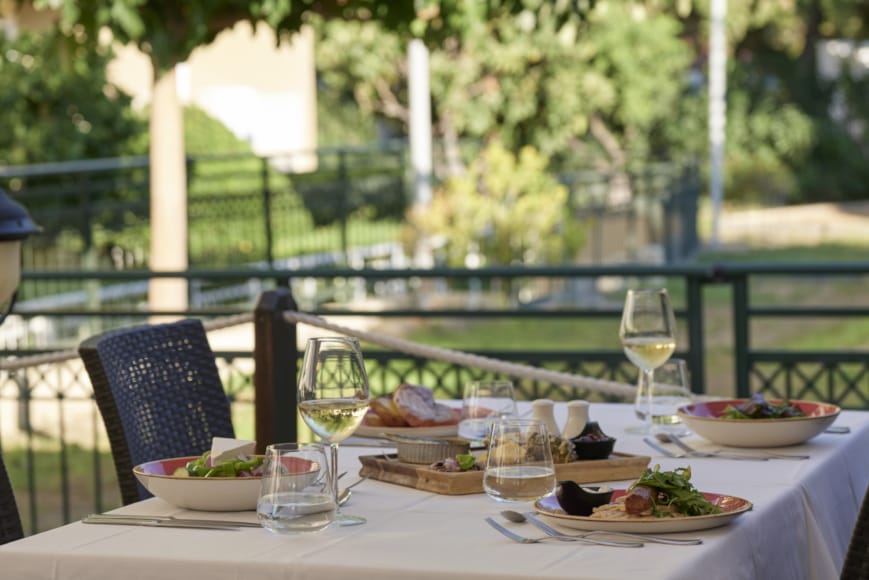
(344, 494)
(519, 518)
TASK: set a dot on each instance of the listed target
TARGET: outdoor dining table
(802, 518)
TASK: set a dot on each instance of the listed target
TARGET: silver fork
(560, 538)
(694, 453)
(675, 440)
(639, 537)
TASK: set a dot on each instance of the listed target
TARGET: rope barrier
(466, 359)
(71, 354)
(401, 345)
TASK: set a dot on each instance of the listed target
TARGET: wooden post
(276, 362)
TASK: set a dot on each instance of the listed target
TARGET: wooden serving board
(388, 468)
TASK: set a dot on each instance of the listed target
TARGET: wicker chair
(10, 519)
(856, 565)
(159, 394)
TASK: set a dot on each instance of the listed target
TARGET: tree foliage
(169, 31)
(57, 104)
(505, 209)
(544, 74)
(604, 83)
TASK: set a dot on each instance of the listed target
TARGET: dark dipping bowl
(578, 500)
(593, 443)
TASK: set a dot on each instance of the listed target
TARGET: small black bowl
(593, 443)
(578, 500)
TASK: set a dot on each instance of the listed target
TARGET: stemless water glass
(485, 402)
(648, 335)
(334, 397)
(668, 391)
(296, 491)
(519, 464)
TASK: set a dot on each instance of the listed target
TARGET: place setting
(519, 470)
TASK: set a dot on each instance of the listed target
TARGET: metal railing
(49, 423)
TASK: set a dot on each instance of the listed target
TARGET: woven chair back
(159, 394)
(10, 518)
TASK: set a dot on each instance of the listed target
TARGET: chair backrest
(857, 557)
(159, 394)
(10, 519)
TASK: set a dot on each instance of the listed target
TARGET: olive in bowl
(578, 500)
(593, 443)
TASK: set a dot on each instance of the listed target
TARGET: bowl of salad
(195, 483)
(758, 422)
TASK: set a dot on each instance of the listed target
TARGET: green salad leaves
(758, 408)
(675, 489)
(238, 467)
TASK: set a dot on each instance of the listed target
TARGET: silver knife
(157, 523)
(225, 523)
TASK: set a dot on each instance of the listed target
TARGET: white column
(420, 133)
(168, 197)
(717, 109)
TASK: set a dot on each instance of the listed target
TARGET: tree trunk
(168, 195)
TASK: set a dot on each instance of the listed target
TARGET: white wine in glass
(648, 335)
(334, 397)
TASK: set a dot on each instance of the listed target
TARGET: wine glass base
(673, 431)
(639, 430)
(346, 520)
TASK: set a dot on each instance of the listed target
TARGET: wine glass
(334, 397)
(648, 334)
(485, 402)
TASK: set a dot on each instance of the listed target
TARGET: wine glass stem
(333, 448)
(648, 376)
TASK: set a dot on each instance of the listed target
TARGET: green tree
(565, 78)
(58, 106)
(505, 209)
(168, 32)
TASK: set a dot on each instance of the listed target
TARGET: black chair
(159, 394)
(856, 565)
(10, 519)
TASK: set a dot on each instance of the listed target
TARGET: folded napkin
(225, 448)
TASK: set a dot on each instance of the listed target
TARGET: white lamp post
(15, 226)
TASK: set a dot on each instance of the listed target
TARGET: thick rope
(67, 355)
(465, 359)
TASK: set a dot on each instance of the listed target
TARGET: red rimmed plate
(706, 419)
(219, 494)
(731, 508)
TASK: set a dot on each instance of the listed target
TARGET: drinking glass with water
(519, 465)
(296, 492)
(667, 392)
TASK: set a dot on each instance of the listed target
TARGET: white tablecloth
(800, 526)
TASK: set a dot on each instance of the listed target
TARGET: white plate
(377, 432)
(731, 507)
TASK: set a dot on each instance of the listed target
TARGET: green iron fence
(52, 436)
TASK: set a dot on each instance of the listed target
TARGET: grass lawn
(839, 334)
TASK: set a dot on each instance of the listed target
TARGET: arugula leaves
(759, 408)
(675, 489)
(200, 466)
